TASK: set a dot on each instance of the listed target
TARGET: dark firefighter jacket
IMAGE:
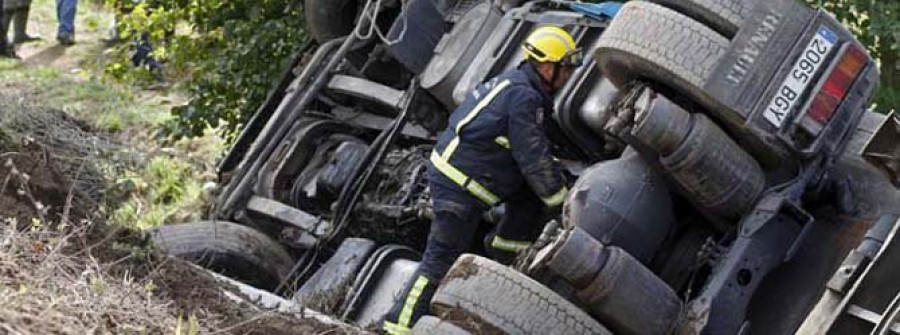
(495, 142)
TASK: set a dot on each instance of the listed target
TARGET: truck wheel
(723, 16)
(430, 325)
(330, 19)
(229, 248)
(649, 42)
(483, 296)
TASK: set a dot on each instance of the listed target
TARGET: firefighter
(494, 151)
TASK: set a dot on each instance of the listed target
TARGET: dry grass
(44, 289)
(66, 280)
(65, 269)
(66, 265)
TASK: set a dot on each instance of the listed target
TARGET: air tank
(613, 286)
(712, 170)
(622, 202)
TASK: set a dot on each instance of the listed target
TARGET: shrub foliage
(877, 26)
(228, 52)
(232, 50)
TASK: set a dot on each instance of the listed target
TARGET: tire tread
(224, 237)
(508, 301)
(649, 41)
(723, 16)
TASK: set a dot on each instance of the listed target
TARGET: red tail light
(836, 86)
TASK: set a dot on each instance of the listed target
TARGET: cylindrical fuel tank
(455, 53)
(630, 299)
(622, 202)
(712, 169)
(614, 287)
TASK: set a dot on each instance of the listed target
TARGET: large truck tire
(647, 41)
(229, 248)
(430, 325)
(483, 296)
(723, 16)
(330, 19)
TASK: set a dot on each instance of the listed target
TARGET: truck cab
(729, 172)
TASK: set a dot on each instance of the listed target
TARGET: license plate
(804, 70)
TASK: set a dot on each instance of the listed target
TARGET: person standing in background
(15, 14)
(65, 13)
(19, 18)
(6, 51)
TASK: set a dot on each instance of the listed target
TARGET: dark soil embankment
(64, 270)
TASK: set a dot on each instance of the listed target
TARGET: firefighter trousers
(457, 217)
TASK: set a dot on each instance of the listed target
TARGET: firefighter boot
(412, 304)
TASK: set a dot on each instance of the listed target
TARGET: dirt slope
(63, 270)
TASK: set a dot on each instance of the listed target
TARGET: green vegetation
(229, 52)
(228, 56)
(88, 270)
(164, 191)
(108, 108)
(877, 25)
(154, 182)
(152, 186)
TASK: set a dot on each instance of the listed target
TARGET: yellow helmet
(552, 44)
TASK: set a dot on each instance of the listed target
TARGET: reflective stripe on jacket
(495, 142)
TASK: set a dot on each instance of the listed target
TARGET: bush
(877, 26)
(228, 60)
(235, 49)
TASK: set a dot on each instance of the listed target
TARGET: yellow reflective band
(500, 243)
(395, 329)
(556, 199)
(473, 186)
(502, 141)
(482, 104)
(442, 161)
(451, 147)
(411, 299)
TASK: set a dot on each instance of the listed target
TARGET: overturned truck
(731, 177)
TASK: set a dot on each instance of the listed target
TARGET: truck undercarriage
(730, 176)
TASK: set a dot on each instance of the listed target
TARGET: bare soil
(64, 270)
